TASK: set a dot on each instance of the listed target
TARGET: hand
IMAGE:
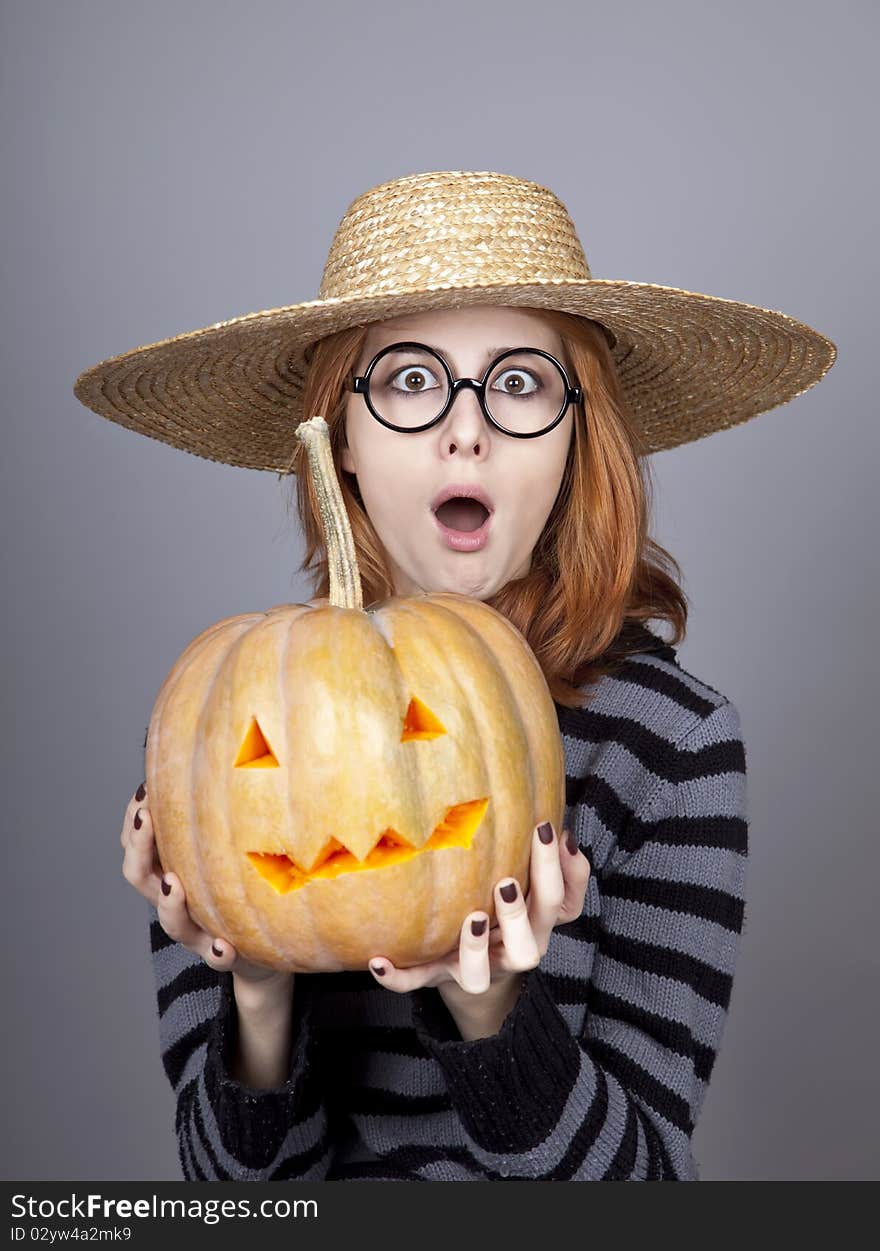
(142, 868)
(557, 886)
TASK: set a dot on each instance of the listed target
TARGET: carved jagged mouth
(457, 829)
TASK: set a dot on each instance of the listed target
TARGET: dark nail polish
(137, 820)
(572, 843)
(166, 887)
(378, 969)
(215, 951)
(478, 927)
(140, 792)
(508, 892)
(545, 832)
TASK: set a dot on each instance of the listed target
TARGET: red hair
(596, 577)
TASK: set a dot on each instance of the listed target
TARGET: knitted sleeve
(227, 1131)
(621, 1099)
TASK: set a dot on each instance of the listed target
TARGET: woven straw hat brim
(689, 364)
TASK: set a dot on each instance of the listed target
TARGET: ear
(346, 460)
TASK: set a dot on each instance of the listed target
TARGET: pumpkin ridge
(266, 625)
(289, 764)
(423, 616)
(463, 609)
(193, 790)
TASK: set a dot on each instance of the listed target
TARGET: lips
(462, 506)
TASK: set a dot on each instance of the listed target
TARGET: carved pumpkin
(331, 783)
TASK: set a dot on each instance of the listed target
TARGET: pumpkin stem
(345, 577)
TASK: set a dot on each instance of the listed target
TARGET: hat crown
(451, 228)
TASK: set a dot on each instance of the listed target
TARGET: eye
(420, 722)
(413, 380)
(516, 382)
(255, 752)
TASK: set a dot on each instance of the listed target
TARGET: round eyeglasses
(524, 392)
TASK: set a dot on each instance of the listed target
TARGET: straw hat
(689, 364)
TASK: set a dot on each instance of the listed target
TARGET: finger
(520, 950)
(546, 883)
(137, 798)
(401, 980)
(220, 954)
(474, 972)
(177, 923)
(140, 864)
(576, 871)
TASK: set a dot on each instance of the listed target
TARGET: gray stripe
(186, 1013)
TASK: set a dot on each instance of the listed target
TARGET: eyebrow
(491, 352)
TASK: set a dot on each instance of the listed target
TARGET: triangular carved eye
(420, 722)
(255, 752)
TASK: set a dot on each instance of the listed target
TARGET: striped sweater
(600, 1070)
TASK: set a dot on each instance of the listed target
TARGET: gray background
(169, 165)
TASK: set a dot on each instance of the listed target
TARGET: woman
(574, 1040)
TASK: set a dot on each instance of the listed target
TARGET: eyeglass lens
(524, 392)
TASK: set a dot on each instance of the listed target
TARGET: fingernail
(166, 886)
(137, 820)
(378, 969)
(478, 927)
(572, 843)
(140, 792)
(508, 892)
(215, 951)
(545, 832)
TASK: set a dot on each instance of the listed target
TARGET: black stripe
(175, 1057)
(601, 798)
(670, 1034)
(413, 1156)
(159, 940)
(186, 1127)
(194, 1170)
(725, 833)
(194, 977)
(710, 982)
(197, 1120)
(583, 722)
(294, 1166)
(726, 756)
(652, 750)
(667, 1168)
(667, 683)
(587, 1133)
(624, 1159)
(583, 929)
(704, 978)
(636, 1080)
(659, 1164)
(184, 1149)
(708, 902)
(654, 1170)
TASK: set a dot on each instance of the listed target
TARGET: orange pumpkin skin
(331, 784)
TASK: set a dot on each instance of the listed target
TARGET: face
(399, 475)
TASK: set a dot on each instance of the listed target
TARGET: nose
(467, 405)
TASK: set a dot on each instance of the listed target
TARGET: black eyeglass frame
(361, 385)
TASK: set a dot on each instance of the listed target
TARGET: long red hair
(596, 576)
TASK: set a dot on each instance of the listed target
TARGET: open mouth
(463, 515)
